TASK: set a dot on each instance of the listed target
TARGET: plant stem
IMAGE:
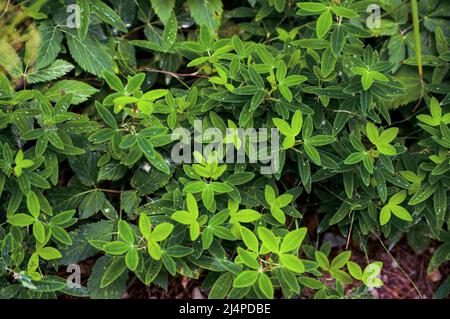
(175, 75)
(399, 267)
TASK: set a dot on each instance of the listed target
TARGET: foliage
(87, 117)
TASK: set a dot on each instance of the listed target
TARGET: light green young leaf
(269, 240)
(324, 24)
(246, 279)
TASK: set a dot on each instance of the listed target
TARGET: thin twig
(399, 267)
(350, 231)
(415, 16)
(175, 75)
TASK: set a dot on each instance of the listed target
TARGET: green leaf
(344, 209)
(160, 163)
(366, 80)
(278, 214)
(63, 217)
(354, 158)
(265, 55)
(269, 194)
(292, 80)
(247, 258)
(439, 257)
(182, 217)
(240, 178)
(265, 285)
(322, 260)
(398, 198)
(355, 270)
(125, 232)
(192, 206)
(49, 253)
(91, 204)
(50, 45)
(114, 290)
(283, 126)
(314, 7)
(337, 40)
(285, 92)
(116, 247)
(154, 249)
(249, 239)
(57, 69)
(328, 62)
(257, 100)
(107, 14)
(170, 33)
(221, 188)
(401, 213)
(194, 230)
(80, 91)
(324, 24)
(21, 220)
(247, 216)
(113, 81)
(146, 147)
(372, 133)
(349, 183)
(312, 153)
(163, 8)
(293, 240)
(344, 12)
(422, 194)
(440, 204)
(106, 115)
(145, 226)
(91, 55)
(297, 122)
(387, 136)
(320, 140)
(370, 275)
(39, 231)
(269, 240)
(292, 262)
(162, 231)
(311, 282)
(85, 13)
(178, 251)
(341, 276)
(208, 197)
(221, 286)
(154, 94)
(246, 279)
(238, 45)
(60, 234)
(114, 270)
(33, 204)
(281, 71)
(341, 260)
(385, 215)
(206, 12)
(132, 259)
(386, 149)
(10, 61)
